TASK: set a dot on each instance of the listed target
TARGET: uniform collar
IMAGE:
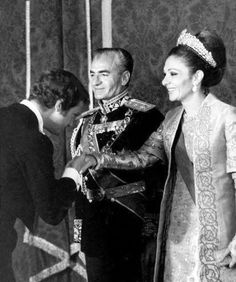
(108, 106)
(34, 109)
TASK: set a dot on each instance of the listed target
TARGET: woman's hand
(230, 251)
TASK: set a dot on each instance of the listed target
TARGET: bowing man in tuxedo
(27, 183)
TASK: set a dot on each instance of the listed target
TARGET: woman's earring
(194, 89)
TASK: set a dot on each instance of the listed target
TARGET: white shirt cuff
(73, 174)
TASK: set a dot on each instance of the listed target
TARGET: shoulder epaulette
(88, 113)
(139, 105)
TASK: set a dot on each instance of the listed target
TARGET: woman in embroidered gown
(197, 224)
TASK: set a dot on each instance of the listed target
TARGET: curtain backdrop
(148, 29)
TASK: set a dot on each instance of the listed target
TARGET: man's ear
(125, 78)
(58, 106)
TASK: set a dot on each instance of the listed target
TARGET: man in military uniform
(112, 206)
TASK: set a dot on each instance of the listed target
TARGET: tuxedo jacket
(27, 183)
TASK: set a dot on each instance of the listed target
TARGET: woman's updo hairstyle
(212, 43)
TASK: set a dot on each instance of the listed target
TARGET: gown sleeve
(150, 152)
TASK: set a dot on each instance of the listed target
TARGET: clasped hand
(82, 163)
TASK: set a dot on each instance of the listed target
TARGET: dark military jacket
(120, 124)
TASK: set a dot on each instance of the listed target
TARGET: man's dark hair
(125, 59)
(58, 84)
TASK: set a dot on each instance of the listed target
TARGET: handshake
(82, 163)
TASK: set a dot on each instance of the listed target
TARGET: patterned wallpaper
(148, 29)
(12, 51)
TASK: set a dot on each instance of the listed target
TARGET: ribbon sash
(184, 164)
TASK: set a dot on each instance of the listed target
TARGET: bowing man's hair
(58, 84)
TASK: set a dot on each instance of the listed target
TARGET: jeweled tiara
(185, 38)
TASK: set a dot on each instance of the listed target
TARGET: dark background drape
(148, 29)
